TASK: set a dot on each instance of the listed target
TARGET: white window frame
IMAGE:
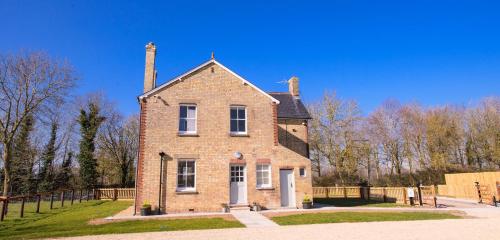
(305, 172)
(195, 118)
(268, 185)
(237, 107)
(185, 189)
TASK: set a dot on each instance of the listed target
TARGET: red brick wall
(140, 160)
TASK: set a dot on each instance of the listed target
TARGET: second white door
(287, 188)
(238, 186)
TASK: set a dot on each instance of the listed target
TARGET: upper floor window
(238, 120)
(187, 119)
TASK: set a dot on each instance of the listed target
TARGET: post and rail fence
(17, 205)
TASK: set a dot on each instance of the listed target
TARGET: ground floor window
(263, 175)
(186, 175)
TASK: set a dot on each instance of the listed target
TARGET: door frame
(293, 192)
(245, 183)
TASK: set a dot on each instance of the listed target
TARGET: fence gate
(429, 195)
(486, 195)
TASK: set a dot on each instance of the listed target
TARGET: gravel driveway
(484, 225)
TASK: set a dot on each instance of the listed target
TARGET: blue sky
(433, 52)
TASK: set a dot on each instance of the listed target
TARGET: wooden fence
(383, 194)
(463, 185)
(115, 193)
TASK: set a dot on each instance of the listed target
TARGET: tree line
(51, 139)
(401, 144)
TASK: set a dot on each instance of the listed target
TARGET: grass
(339, 217)
(73, 221)
(355, 202)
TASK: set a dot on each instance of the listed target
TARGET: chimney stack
(293, 86)
(149, 70)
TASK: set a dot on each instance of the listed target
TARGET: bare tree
(483, 134)
(29, 84)
(333, 134)
(413, 132)
(119, 140)
(386, 128)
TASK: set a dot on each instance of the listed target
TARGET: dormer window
(238, 120)
(187, 119)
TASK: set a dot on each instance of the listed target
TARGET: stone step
(239, 207)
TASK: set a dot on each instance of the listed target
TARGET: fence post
(81, 194)
(498, 189)
(368, 190)
(362, 193)
(326, 192)
(115, 194)
(384, 190)
(6, 207)
(345, 193)
(21, 214)
(51, 200)
(2, 214)
(38, 199)
(479, 192)
(404, 196)
(419, 188)
(62, 198)
(434, 195)
(72, 196)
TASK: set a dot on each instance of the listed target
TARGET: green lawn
(356, 202)
(338, 217)
(73, 221)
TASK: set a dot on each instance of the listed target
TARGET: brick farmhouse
(209, 137)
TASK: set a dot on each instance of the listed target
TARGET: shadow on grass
(74, 220)
(355, 202)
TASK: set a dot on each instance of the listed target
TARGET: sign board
(410, 192)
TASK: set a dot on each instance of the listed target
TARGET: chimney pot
(293, 86)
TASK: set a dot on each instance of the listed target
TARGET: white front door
(238, 185)
(287, 188)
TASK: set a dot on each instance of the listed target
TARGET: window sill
(188, 135)
(239, 135)
(265, 188)
(187, 192)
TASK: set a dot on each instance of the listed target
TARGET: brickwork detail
(140, 160)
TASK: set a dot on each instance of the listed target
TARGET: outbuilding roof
(290, 106)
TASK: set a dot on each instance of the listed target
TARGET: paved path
(253, 219)
(484, 225)
(459, 203)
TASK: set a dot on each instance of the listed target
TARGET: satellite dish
(238, 155)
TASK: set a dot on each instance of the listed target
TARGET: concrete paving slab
(253, 219)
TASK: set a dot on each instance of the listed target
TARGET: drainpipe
(162, 156)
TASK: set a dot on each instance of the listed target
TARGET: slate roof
(290, 106)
